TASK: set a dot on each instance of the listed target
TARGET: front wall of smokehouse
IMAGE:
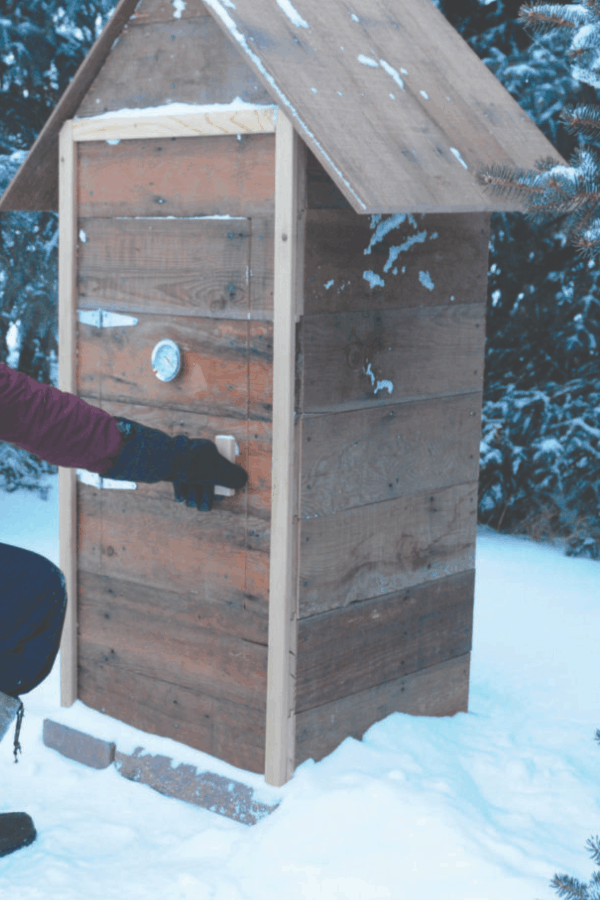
(173, 604)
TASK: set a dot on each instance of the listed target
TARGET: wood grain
(185, 60)
(139, 537)
(220, 268)
(386, 547)
(385, 130)
(351, 459)
(220, 358)
(349, 650)
(175, 266)
(365, 359)
(114, 599)
(179, 176)
(440, 690)
(230, 731)
(139, 637)
(335, 262)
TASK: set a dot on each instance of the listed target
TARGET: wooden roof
(393, 102)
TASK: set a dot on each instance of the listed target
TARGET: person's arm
(65, 430)
(58, 427)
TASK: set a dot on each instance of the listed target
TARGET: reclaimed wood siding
(203, 176)
(173, 603)
(390, 395)
(159, 59)
(190, 267)
(435, 691)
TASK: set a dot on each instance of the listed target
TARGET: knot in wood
(355, 355)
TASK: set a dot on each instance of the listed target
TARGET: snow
(483, 805)
(425, 279)
(456, 153)
(292, 14)
(367, 61)
(393, 72)
(181, 109)
(178, 8)
(373, 278)
(82, 236)
(217, 7)
(380, 384)
(424, 94)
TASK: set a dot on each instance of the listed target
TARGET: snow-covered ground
(486, 805)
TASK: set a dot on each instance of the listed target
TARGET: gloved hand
(194, 466)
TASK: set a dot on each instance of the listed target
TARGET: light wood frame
(289, 178)
(257, 120)
(67, 381)
(283, 589)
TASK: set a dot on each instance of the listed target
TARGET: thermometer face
(166, 360)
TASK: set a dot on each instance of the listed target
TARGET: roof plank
(396, 106)
(394, 103)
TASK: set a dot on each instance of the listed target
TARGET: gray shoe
(16, 829)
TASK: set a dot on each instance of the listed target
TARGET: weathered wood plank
(224, 666)
(440, 690)
(220, 358)
(218, 554)
(335, 264)
(230, 731)
(179, 266)
(117, 599)
(351, 459)
(386, 547)
(262, 267)
(179, 176)
(167, 266)
(256, 120)
(353, 649)
(364, 359)
(395, 104)
(185, 60)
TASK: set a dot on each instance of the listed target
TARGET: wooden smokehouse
(286, 192)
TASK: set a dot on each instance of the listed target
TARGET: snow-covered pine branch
(551, 189)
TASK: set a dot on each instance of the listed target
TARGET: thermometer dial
(166, 360)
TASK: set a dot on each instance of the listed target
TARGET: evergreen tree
(571, 888)
(553, 189)
(541, 420)
(42, 43)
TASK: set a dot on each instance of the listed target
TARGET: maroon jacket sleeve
(58, 427)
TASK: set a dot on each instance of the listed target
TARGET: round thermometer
(166, 360)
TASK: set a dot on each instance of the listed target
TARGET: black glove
(194, 466)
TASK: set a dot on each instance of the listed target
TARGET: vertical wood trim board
(67, 365)
(280, 733)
